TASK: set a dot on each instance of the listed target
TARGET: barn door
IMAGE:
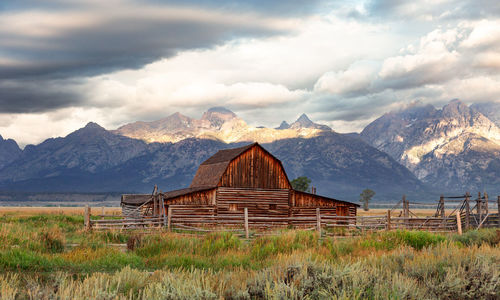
(342, 211)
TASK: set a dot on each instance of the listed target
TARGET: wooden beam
(459, 223)
(479, 205)
(318, 220)
(169, 218)
(389, 219)
(486, 208)
(247, 234)
(86, 218)
(467, 210)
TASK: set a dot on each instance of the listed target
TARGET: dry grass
(33, 211)
(36, 262)
(423, 212)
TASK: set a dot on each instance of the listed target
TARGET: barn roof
(139, 199)
(212, 169)
(328, 198)
(227, 155)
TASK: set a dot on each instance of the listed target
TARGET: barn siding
(257, 201)
(196, 198)
(255, 168)
(305, 201)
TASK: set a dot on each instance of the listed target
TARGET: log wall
(255, 168)
(195, 198)
(306, 202)
(266, 207)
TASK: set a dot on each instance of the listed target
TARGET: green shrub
(489, 236)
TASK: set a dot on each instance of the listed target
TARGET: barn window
(272, 206)
(233, 207)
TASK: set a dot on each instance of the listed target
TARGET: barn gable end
(255, 168)
(245, 167)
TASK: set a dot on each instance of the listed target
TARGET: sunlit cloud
(344, 63)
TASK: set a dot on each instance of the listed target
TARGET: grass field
(31, 211)
(47, 255)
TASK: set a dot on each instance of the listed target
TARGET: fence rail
(242, 224)
(467, 213)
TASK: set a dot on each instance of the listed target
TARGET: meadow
(47, 255)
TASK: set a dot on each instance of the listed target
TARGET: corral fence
(465, 214)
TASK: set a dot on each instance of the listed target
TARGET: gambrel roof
(211, 170)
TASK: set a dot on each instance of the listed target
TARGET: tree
(301, 183)
(366, 196)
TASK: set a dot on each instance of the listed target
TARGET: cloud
(19, 96)
(428, 10)
(343, 63)
(356, 80)
(101, 37)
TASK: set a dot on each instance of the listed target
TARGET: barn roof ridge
(227, 155)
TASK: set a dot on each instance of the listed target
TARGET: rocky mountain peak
(221, 110)
(93, 126)
(283, 125)
(456, 109)
(429, 141)
(217, 116)
(491, 110)
(304, 122)
(9, 151)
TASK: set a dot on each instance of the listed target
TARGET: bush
(490, 236)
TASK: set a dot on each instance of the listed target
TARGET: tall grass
(52, 257)
(445, 271)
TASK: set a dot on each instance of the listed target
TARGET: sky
(64, 63)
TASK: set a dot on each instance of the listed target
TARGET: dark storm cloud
(114, 46)
(36, 96)
(42, 41)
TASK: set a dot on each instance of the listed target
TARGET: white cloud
(357, 79)
(342, 71)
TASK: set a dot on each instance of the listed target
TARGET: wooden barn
(234, 179)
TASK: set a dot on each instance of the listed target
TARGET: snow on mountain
(218, 123)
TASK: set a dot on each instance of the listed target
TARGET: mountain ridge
(450, 147)
(93, 159)
(217, 123)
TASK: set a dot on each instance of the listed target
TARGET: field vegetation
(49, 256)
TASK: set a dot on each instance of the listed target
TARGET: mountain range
(218, 123)
(419, 150)
(456, 147)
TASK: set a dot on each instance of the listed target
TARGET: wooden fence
(244, 223)
(466, 214)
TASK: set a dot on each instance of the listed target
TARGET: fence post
(169, 218)
(247, 234)
(86, 217)
(467, 210)
(441, 210)
(406, 211)
(318, 220)
(486, 208)
(459, 223)
(389, 219)
(441, 203)
(163, 212)
(479, 204)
